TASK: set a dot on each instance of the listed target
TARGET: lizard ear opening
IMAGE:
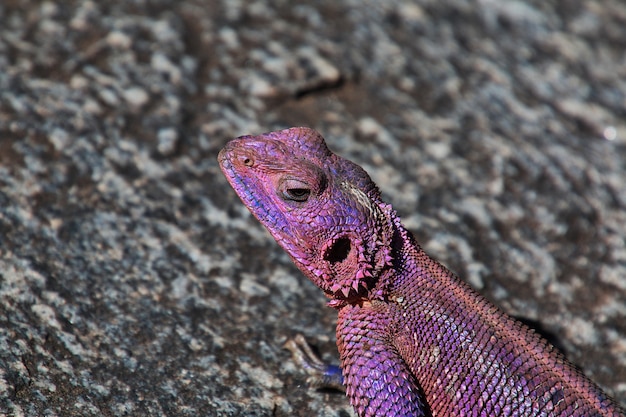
(338, 251)
(348, 271)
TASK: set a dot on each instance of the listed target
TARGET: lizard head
(324, 210)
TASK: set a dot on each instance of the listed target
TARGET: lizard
(413, 338)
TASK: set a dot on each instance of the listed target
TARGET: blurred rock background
(132, 280)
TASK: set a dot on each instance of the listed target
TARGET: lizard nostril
(338, 251)
(247, 161)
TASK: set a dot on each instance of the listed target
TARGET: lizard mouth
(232, 160)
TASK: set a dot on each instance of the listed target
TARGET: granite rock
(132, 280)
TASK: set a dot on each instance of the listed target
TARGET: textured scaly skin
(414, 340)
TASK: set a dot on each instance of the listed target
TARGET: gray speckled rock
(132, 281)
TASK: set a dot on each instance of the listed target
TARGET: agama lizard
(414, 340)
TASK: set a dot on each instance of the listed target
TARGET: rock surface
(132, 280)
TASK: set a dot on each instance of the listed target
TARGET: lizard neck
(402, 250)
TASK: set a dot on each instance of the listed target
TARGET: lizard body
(414, 340)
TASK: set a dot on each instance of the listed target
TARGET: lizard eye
(298, 194)
(294, 190)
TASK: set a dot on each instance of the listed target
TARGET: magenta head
(322, 209)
